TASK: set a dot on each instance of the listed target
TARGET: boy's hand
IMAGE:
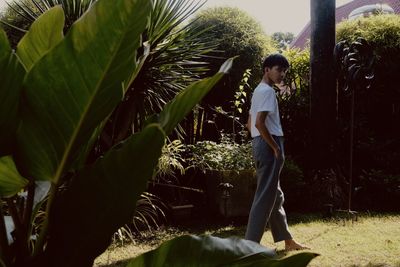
(277, 152)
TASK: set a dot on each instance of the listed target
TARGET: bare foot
(293, 245)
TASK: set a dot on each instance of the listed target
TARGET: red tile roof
(342, 13)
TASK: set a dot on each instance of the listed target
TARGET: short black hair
(275, 60)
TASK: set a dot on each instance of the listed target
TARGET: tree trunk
(323, 102)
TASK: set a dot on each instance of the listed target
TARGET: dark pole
(323, 102)
(351, 146)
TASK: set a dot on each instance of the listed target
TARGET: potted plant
(230, 180)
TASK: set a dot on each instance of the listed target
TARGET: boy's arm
(248, 124)
(262, 128)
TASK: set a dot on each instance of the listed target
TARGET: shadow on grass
(227, 227)
(372, 265)
(280, 254)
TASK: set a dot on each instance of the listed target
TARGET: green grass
(372, 240)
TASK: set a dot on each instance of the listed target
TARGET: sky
(274, 15)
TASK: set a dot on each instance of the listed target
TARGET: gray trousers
(268, 199)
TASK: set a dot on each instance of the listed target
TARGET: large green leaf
(11, 182)
(11, 76)
(196, 251)
(184, 102)
(71, 89)
(101, 199)
(44, 34)
(187, 251)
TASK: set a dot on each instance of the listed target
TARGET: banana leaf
(64, 106)
(11, 77)
(196, 251)
(11, 182)
(103, 198)
(43, 35)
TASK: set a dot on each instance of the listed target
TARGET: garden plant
(57, 93)
(173, 58)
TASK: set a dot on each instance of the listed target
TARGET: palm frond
(30, 10)
(176, 59)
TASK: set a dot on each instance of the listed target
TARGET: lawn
(371, 240)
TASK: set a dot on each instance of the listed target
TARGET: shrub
(294, 103)
(382, 32)
(383, 187)
(237, 34)
(222, 156)
(293, 186)
(228, 155)
(171, 160)
(377, 110)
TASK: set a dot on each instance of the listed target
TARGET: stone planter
(230, 193)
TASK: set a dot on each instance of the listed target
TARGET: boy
(266, 131)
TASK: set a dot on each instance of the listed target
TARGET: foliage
(62, 137)
(60, 122)
(384, 187)
(381, 100)
(241, 93)
(11, 181)
(150, 211)
(293, 185)
(171, 160)
(176, 58)
(282, 39)
(372, 134)
(237, 108)
(60, 117)
(294, 104)
(225, 155)
(21, 14)
(381, 31)
(355, 64)
(237, 34)
(15, 24)
(297, 77)
(230, 155)
(172, 59)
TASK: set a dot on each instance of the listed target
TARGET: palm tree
(175, 59)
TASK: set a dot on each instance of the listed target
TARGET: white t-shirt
(264, 99)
